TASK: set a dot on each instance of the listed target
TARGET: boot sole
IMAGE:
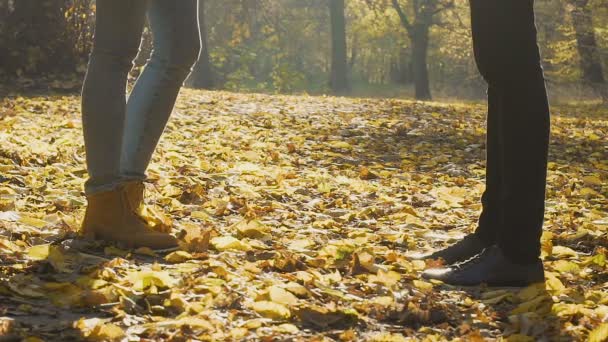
(513, 286)
(91, 236)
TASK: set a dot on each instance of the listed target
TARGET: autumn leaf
(178, 257)
(142, 280)
(95, 329)
(271, 310)
(599, 334)
(225, 243)
(281, 296)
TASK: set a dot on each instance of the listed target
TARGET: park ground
(296, 216)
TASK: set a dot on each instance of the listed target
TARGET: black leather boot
(491, 267)
(465, 249)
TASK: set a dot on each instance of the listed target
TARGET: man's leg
(176, 48)
(506, 52)
(518, 135)
(118, 30)
(517, 86)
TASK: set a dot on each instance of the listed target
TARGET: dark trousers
(507, 55)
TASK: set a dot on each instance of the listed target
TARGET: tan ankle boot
(156, 219)
(111, 216)
(135, 195)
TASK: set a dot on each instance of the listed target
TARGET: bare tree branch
(402, 16)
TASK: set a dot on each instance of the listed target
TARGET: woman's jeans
(121, 135)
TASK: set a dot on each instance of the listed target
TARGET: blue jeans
(121, 135)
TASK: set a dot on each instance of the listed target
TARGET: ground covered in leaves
(296, 216)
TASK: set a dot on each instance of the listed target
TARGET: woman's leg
(119, 25)
(111, 214)
(176, 47)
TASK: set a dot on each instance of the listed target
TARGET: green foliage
(41, 36)
(286, 79)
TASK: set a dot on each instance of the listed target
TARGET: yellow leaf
(568, 310)
(599, 334)
(106, 332)
(423, 285)
(529, 306)
(592, 180)
(419, 265)
(565, 266)
(157, 219)
(238, 334)
(531, 292)
(563, 252)
(271, 310)
(246, 167)
(52, 254)
(279, 295)
(95, 329)
(201, 215)
(387, 337)
(300, 245)
(546, 241)
(33, 339)
(296, 289)
(34, 222)
(145, 279)
(9, 245)
(588, 192)
(389, 278)
(448, 197)
(225, 243)
(254, 323)
(178, 256)
(287, 328)
(252, 229)
(39, 252)
(554, 284)
(196, 239)
(340, 145)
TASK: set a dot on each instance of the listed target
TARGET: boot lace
(472, 261)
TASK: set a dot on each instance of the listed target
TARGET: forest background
(371, 48)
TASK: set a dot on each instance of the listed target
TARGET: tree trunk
(202, 74)
(586, 44)
(339, 66)
(418, 33)
(419, 37)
